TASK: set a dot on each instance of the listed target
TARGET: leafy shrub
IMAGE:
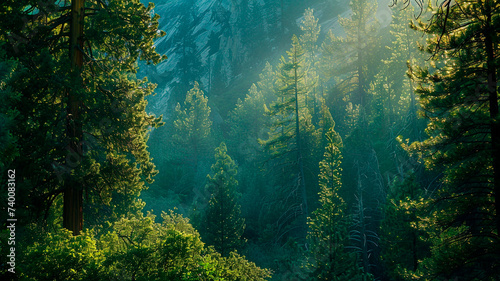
(61, 256)
(138, 249)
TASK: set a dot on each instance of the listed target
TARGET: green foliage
(140, 248)
(8, 112)
(136, 248)
(248, 122)
(311, 30)
(192, 124)
(404, 238)
(328, 224)
(459, 97)
(61, 256)
(291, 142)
(223, 222)
(112, 162)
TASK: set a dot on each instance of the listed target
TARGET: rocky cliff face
(223, 44)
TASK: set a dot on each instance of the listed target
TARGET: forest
(250, 140)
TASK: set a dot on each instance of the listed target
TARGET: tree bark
(73, 194)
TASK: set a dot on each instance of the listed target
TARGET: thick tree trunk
(73, 193)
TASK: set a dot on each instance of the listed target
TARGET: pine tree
(193, 125)
(311, 30)
(248, 122)
(223, 223)
(394, 106)
(392, 89)
(404, 240)
(290, 130)
(308, 39)
(267, 84)
(459, 96)
(351, 59)
(328, 234)
(84, 125)
(325, 123)
(350, 56)
(401, 100)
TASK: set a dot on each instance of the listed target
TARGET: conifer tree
(267, 84)
(394, 106)
(308, 39)
(193, 125)
(400, 96)
(291, 126)
(248, 122)
(328, 225)
(325, 123)
(350, 56)
(351, 60)
(404, 240)
(223, 222)
(459, 96)
(311, 30)
(82, 101)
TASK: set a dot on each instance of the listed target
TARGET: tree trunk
(73, 194)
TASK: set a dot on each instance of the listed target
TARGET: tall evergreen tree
(248, 122)
(193, 125)
(325, 123)
(267, 84)
(311, 30)
(328, 224)
(223, 223)
(400, 96)
(80, 100)
(183, 155)
(350, 56)
(290, 128)
(308, 39)
(459, 96)
(351, 59)
(394, 106)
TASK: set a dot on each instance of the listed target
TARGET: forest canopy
(249, 140)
